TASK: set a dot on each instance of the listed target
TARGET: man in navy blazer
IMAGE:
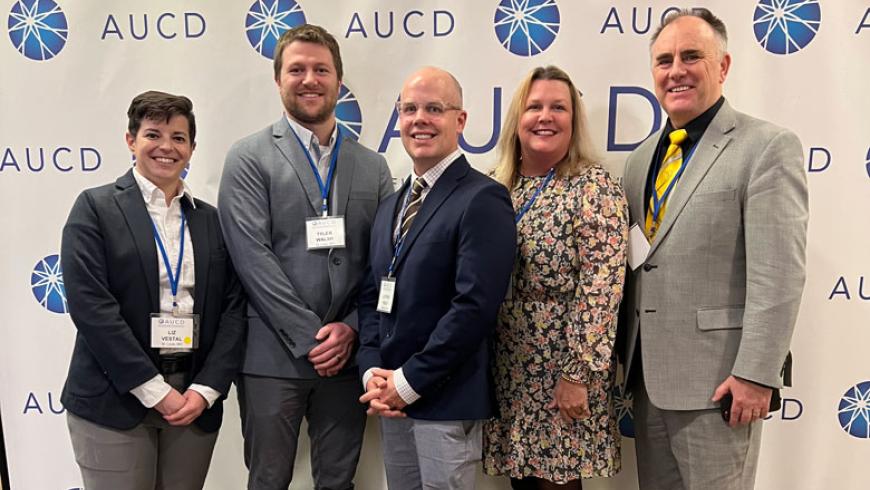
(442, 250)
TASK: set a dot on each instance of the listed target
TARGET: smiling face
(162, 150)
(545, 127)
(688, 69)
(309, 84)
(429, 137)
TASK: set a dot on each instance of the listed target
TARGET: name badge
(174, 331)
(385, 297)
(638, 247)
(327, 232)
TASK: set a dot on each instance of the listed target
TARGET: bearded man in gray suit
(297, 200)
(720, 214)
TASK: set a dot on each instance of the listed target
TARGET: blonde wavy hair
(581, 153)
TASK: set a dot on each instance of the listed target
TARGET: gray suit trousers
(692, 449)
(272, 410)
(152, 455)
(431, 454)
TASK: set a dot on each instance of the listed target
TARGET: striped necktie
(414, 202)
(668, 171)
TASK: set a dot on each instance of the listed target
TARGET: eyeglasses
(432, 109)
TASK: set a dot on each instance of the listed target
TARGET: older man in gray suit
(719, 203)
(297, 201)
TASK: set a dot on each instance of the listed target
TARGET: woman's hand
(572, 400)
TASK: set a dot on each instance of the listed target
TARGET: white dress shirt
(168, 222)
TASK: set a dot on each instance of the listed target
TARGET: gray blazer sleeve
(775, 218)
(243, 204)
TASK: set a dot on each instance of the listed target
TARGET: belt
(175, 364)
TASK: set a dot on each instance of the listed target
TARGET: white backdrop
(64, 93)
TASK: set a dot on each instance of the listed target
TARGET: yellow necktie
(668, 171)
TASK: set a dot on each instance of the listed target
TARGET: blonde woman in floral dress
(554, 364)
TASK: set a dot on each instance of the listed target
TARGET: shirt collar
(152, 193)
(431, 176)
(696, 127)
(307, 136)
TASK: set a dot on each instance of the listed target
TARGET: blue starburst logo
(267, 20)
(46, 281)
(348, 113)
(526, 27)
(786, 26)
(854, 411)
(37, 28)
(623, 405)
(868, 162)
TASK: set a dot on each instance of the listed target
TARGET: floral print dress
(560, 319)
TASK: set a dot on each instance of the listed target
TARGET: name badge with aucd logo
(174, 331)
(325, 232)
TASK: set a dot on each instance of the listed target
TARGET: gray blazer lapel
(287, 145)
(706, 153)
(636, 178)
(343, 178)
(129, 199)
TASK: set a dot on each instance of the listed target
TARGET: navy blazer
(451, 277)
(111, 279)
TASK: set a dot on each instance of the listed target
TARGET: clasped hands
(381, 395)
(332, 353)
(572, 400)
(180, 410)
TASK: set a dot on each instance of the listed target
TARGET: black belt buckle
(174, 364)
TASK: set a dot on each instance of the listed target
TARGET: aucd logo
(348, 113)
(623, 405)
(267, 20)
(46, 281)
(854, 411)
(526, 27)
(786, 26)
(37, 28)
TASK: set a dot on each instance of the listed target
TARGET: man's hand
(193, 408)
(374, 389)
(572, 400)
(751, 401)
(171, 403)
(382, 396)
(336, 344)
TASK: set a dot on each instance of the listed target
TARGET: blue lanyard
(173, 279)
(658, 203)
(399, 239)
(525, 209)
(324, 188)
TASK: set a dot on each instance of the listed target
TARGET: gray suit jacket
(267, 192)
(720, 289)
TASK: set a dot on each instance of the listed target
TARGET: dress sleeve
(601, 237)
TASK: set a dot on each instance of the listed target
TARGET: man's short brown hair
(308, 33)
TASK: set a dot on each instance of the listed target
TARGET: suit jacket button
(648, 267)
(336, 260)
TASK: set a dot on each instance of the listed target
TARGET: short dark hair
(160, 106)
(308, 33)
(701, 13)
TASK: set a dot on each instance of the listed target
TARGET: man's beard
(298, 113)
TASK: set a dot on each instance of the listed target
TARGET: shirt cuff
(406, 393)
(152, 391)
(210, 394)
(367, 376)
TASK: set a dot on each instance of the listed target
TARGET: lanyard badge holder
(325, 232)
(387, 292)
(173, 331)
